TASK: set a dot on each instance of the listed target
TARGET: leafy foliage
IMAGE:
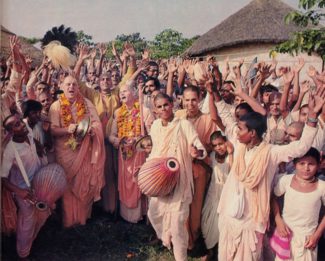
(165, 44)
(308, 40)
(170, 43)
(84, 38)
(139, 43)
(32, 40)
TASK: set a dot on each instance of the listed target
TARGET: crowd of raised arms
(240, 137)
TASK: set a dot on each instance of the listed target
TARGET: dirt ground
(104, 237)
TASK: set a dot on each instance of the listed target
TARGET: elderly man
(83, 160)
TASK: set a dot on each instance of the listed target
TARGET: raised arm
(129, 48)
(226, 70)
(287, 79)
(212, 107)
(83, 55)
(181, 74)
(304, 88)
(312, 73)
(102, 52)
(116, 55)
(15, 52)
(300, 147)
(296, 70)
(172, 68)
(264, 74)
(93, 54)
(256, 106)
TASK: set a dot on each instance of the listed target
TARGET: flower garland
(129, 122)
(66, 115)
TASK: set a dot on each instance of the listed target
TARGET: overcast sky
(105, 19)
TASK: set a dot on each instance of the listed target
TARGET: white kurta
(210, 215)
(301, 214)
(168, 215)
(240, 238)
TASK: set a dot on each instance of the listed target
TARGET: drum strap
(20, 165)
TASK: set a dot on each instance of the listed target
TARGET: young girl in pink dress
(303, 194)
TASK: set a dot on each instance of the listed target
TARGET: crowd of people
(243, 139)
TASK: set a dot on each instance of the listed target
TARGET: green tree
(84, 38)
(32, 40)
(310, 40)
(169, 43)
(139, 43)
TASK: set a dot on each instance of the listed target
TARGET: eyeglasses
(106, 79)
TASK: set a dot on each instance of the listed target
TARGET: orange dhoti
(201, 180)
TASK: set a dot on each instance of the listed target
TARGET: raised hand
(305, 86)
(83, 51)
(129, 49)
(172, 67)
(209, 84)
(298, 66)
(265, 71)
(143, 65)
(273, 65)
(181, 67)
(316, 100)
(282, 70)
(93, 53)
(146, 54)
(102, 49)
(312, 72)
(114, 52)
(237, 72)
(29, 60)
(227, 67)
(288, 76)
(14, 43)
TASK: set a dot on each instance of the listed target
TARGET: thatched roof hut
(251, 32)
(27, 48)
(261, 21)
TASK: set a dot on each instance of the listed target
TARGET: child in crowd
(221, 160)
(304, 194)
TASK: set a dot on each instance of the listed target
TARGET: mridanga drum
(158, 177)
(48, 184)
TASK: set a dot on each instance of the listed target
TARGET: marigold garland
(66, 115)
(129, 122)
